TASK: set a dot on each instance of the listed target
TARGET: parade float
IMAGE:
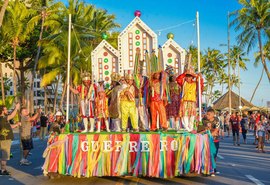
(160, 154)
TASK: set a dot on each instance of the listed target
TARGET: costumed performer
(87, 99)
(114, 101)
(172, 109)
(188, 82)
(128, 105)
(101, 109)
(158, 100)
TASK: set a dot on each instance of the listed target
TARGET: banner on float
(162, 155)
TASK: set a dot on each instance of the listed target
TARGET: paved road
(237, 165)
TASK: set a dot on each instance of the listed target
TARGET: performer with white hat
(87, 99)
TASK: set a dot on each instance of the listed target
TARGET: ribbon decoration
(161, 155)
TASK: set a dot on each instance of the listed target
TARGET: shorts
(5, 146)
(27, 144)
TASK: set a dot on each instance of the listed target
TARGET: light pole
(229, 64)
(239, 84)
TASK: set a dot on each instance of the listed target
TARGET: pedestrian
(6, 136)
(261, 130)
(212, 123)
(227, 123)
(26, 139)
(244, 125)
(221, 121)
(235, 124)
(43, 126)
(56, 127)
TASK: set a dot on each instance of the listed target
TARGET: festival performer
(101, 109)
(172, 109)
(141, 91)
(87, 99)
(158, 100)
(188, 82)
(128, 105)
(114, 101)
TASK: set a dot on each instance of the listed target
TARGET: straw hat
(115, 77)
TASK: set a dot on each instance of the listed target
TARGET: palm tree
(213, 67)
(237, 56)
(45, 11)
(254, 20)
(15, 30)
(2, 12)
(88, 23)
(266, 53)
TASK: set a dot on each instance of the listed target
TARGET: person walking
(43, 126)
(26, 139)
(244, 126)
(234, 120)
(6, 136)
(261, 130)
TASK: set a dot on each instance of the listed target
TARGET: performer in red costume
(87, 93)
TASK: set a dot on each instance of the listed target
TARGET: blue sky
(161, 14)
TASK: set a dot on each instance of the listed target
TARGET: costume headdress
(86, 76)
(115, 77)
(169, 70)
(129, 76)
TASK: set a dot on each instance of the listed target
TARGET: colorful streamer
(161, 155)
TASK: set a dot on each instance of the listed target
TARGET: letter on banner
(163, 144)
(118, 146)
(145, 146)
(133, 146)
(107, 146)
(174, 145)
(94, 146)
(84, 146)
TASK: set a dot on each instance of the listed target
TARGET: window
(11, 92)
(38, 94)
(35, 93)
(130, 42)
(38, 84)
(34, 84)
(100, 71)
(113, 64)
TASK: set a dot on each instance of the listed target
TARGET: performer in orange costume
(189, 85)
(158, 101)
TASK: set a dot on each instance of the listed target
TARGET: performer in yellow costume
(128, 105)
(189, 84)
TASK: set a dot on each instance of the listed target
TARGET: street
(236, 164)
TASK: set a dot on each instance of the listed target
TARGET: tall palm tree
(2, 12)
(238, 56)
(266, 53)
(87, 23)
(15, 30)
(213, 67)
(253, 19)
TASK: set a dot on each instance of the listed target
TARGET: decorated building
(173, 54)
(104, 61)
(136, 36)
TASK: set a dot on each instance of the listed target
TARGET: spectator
(227, 123)
(34, 128)
(26, 139)
(221, 121)
(261, 130)
(6, 136)
(43, 126)
(244, 126)
(210, 122)
(235, 128)
(56, 126)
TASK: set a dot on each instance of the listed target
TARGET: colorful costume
(172, 109)
(114, 105)
(157, 104)
(189, 98)
(101, 110)
(128, 106)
